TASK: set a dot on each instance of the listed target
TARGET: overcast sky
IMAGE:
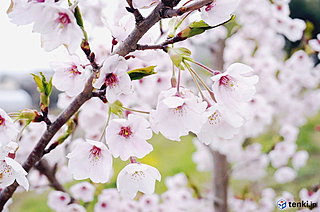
(20, 49)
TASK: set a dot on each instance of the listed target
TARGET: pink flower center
(125, 132)
(64, 19)
(103, 205)
(214, 118)
(179, 110)
(95, 152)
(210, 6)
(279, 7)
(2, 121)
(62, 198)
(226, 81)
(111, 79)
(74, 70)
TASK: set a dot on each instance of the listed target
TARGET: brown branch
(173, 40)
(184, 9)
(161, 11)
(162, 45)
(44, 168)
(135, 12)
(220, 181)
(101, 94)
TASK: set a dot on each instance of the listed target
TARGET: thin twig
(130, 44)
(135, 12)
(44, 168)
(184, 9)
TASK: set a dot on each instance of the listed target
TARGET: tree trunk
(220, 182)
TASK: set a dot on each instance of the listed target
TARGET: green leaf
(177, 55)
(44, 88)
(116, 108)
(199, 27)
(38, 82)
(139, 73)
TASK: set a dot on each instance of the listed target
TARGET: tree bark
(220, 182)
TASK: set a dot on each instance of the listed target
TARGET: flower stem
(200, 80)
(21, 131)
(197, 84)
(133, 110)
(202, 66)
(178, 85)
(105, 127)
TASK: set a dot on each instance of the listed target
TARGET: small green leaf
(44, 88)
(199, 24)
(177, 55)
(38, 82)
(139, 73)
(184, 51)
(116, 108)
(199, 27)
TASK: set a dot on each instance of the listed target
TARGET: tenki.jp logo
(282, 204)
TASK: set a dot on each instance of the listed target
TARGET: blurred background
(21, 55)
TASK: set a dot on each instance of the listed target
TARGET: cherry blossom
(25, 12)
(114, 76)
(285, 174)
(137, 177)
(127, 138)
(253, 161)
(202, 157)
(92, 118)
(90, 159)
(221, 123)
(178, 114)
(58, 27)
(75, 208)
(309, 195)
(281, 153)
(10, 170)
(8, 130)
(9, 150)
(218, 11)
(235, 86)
(315, 44)
(149, 202)
(299, 159)
(58, 200)
(84, 191)
(69, 76)
(179, 180)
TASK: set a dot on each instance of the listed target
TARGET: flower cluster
(251, 89)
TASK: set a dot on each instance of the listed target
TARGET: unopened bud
(174, 82)
(85, 47)
(114, 41)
